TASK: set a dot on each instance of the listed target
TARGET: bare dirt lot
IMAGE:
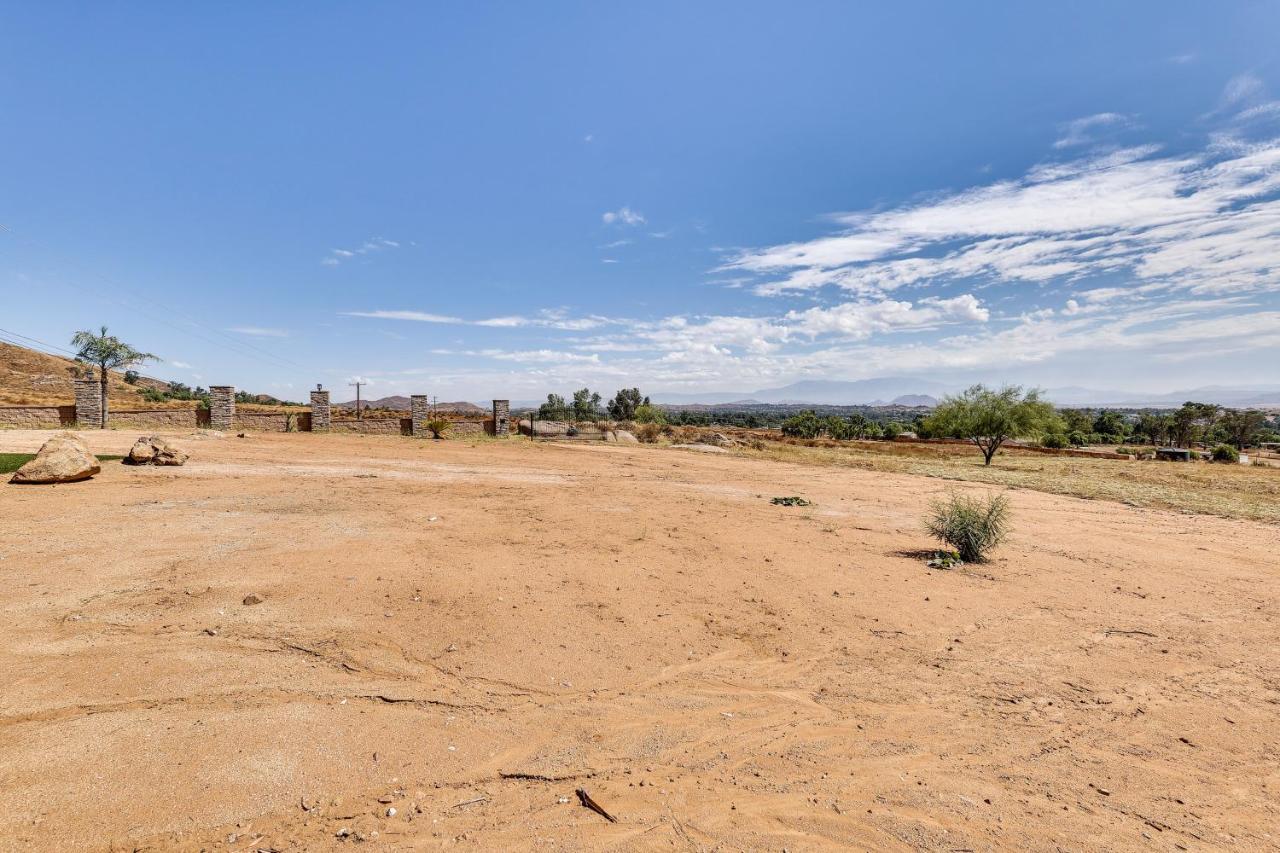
(452, 638)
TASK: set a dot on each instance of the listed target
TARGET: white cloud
(623, 216)
(1206, 223)
(373, 244)
(416, 316)
(181, 365)
(259, 331)
(1082, 131)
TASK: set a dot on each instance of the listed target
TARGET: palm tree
(106, 352)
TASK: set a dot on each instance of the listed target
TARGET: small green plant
(944, 560)
(438, 426)
(970, 525)
(793, 500)
(1225, 453)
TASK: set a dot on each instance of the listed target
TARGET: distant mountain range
(906, 391)
(824, 392)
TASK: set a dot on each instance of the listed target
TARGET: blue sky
(499, 200)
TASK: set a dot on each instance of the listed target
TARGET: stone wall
(180, 419)
(373, 426)
(271, 421)
(37, 417)
(88, 404)
(222, 407)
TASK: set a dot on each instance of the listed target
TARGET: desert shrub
(1077, 438)
(1225, 453)
(1055, 440)
(970, 525)
(606, 426)
(648, 433)
(438, 426)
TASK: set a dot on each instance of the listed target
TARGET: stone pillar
(89, 404)
(501, 418)
(420, 413)
(222, 407)
(319, 411)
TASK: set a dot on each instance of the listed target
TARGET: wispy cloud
(374, 244)
(623, 216)
(1083, 131)
(416, 316)
(181, 365)
(549, 318)
(259, 331)
(1206, 223)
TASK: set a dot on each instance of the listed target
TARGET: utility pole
(357, 387)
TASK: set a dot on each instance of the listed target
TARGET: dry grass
(1230, 491)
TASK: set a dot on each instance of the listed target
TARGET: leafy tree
(1077, 420)
(990, 418)
(837, 427)
(803, 425)
(586, 405)
(106, 352)
(1241, 426)
(624, 404)
(893, 429)
(554, 409)
(131, 377)
(1111, 423)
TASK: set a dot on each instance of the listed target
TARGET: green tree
(1241, 426)
(990, 418)
(624, 404)
(803, 425)
(585, 405)
(106, 353)
(554, 409)
(1110, 423)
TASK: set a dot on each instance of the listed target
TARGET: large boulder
(63, 459)
(154, 450)
(624, 437)
(545, 429)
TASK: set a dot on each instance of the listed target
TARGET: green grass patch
(10, 462)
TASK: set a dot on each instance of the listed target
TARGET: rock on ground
(63, 459)
(153, 450)
(624, 437)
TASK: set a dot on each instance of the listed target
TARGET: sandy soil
(467, 634)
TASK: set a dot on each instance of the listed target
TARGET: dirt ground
(465, 634)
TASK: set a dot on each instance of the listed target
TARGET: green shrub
(1055, 440)
(649, 414)
(437, 426)
(1225, 453)
(970, 525)
(1077, 438)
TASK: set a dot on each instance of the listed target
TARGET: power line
(36, 341)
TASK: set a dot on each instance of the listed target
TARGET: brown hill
(401, 403)
(29, 377)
